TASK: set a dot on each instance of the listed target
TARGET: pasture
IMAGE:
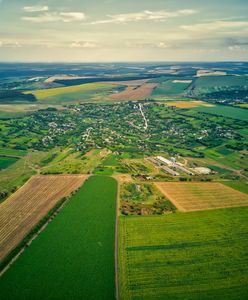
(199, 255)
(26, 207)
(77, 93)
(224, 111)
(213, 82)
(75, 162)
(73, 258)
(6, 161)
(192, 196)
(170, 87)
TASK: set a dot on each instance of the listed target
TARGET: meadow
(212, 82)
(76, 93)
(6, 161)
(198, 255)
(224, 111)
(169, 87)
(77, 248)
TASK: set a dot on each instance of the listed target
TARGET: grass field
(24, 209)
(6, 161)
(187, 196)
(199, 255)
(8, 111)
(211, 82)
(73, 258)
(241, 186)
(18, 173)
(169, 87)
(74, 93)
(75, 163)
(224, 111)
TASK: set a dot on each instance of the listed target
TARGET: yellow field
(193, 196)
(46, 93)
(188, 104)
(26, 207)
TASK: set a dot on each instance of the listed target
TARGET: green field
(6, 161)
(241, 186)
(225, 111)
(200, 255)
(73, 258)
(169, 88)
(78, 93)
(213, 82)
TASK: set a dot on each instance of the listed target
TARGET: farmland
(6, 161)
(77, 248)
(138, 92)
(182, 234)
(26, 207)
(225, 111)
(187, 104)
(188, 196)
(199, 255)
(170, 87)
(76, 93)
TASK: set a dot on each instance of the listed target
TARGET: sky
(123, 30)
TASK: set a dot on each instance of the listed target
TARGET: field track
(188, 196)
(26, 207)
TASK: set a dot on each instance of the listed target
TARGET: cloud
(146, 15)
(83, 44)
(11, 44)
(216, 25)
(237, 48)
(56, 17)
(36, 8)
(142, 44)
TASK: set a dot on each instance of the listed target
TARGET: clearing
(26, 207)
(192, 196)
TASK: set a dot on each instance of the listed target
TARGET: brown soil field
(193, 196)
(135, 92)
(27, 206)
(187, 104)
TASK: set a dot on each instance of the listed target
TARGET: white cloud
(142, 44)
(83, 44)
(35, 8)
(10, 44)
(237, 48)
(146, 15)
(56, 17)
(216, 25)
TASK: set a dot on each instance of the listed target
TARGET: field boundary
(117, 243)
